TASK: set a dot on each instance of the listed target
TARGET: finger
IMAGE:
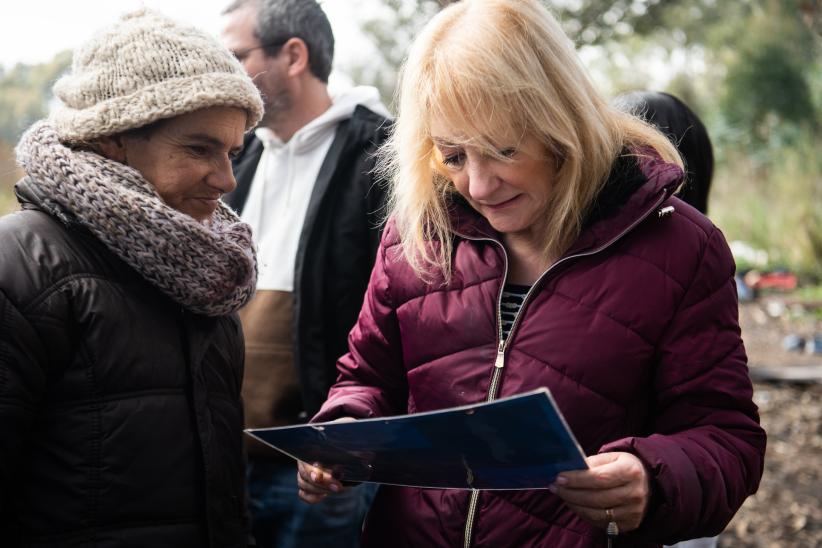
(318, 481)
(320, 476)
(605, 473)
(601, 459)
(597, 516)
(311, 498)
(599, 499)
(309, 472)
(634, 494)
(594, 516)
(594, 462)
(312, 487)
(304, 469)
(603, 477)
(314, 491)
(627, 518)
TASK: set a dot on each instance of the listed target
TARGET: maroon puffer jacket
(634, 331)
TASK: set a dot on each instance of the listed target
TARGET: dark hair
(143, 132)
(147, 131)
(280, 20)
(684, 128)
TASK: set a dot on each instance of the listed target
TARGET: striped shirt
(512, 298)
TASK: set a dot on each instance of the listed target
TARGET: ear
(296, 51)
(113, 147)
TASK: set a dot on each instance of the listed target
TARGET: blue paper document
(520, 442)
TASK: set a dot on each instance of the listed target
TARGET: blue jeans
(281, 520)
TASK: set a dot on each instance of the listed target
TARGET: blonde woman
(534, 241)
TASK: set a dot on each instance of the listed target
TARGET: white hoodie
(279, 194)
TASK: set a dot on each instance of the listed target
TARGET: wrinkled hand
(616, 481)
(315, 483)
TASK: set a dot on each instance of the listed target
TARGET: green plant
(772, 202)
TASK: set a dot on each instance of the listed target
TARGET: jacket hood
(639, 182)
(368, 96)
(342, 108)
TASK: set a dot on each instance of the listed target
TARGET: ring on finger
(609, 514)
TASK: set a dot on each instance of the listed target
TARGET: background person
(686, 131)
(306, 187)
(517, 188)
(121, 358)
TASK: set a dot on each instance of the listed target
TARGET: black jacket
(120, 412)
(337, 247)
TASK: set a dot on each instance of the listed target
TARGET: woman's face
(512, 192)
(187, 158)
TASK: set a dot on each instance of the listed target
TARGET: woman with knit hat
(120, 353)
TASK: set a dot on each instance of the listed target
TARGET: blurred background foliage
(25, 94)
(752, 69)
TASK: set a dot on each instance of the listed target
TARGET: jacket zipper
(499, 362)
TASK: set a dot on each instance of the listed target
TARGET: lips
(202, 208)
(208, 204)
(209, 199)
(501, 205)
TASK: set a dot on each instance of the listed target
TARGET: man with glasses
(305, 185)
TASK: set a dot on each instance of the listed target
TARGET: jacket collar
(244, 168)
(30, 198)
(639, 182)
(356, 132)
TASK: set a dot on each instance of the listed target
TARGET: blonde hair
(487, 68)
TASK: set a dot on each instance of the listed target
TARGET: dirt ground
(787, 510)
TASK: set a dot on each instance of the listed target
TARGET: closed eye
(455, 159)
(197, 150)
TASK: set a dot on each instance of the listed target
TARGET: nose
(222, 176)
(246, 64)
(481, 182)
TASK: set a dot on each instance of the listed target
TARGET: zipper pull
(499, 363)
(612, 531)
(666, 211)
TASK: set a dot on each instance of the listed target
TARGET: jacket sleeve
(22, 384)
(372, 379)
(706, 451)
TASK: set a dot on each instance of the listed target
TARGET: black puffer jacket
(120, 412)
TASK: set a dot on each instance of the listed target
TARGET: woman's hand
(315, 483)
(616, 482)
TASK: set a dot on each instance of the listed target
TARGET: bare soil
(786, 512)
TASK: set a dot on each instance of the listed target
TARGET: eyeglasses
(243, 53)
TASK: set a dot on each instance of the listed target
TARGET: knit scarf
(209, 268)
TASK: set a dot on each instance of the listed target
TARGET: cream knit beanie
(143, 68)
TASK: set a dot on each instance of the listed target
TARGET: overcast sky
(32, 31)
